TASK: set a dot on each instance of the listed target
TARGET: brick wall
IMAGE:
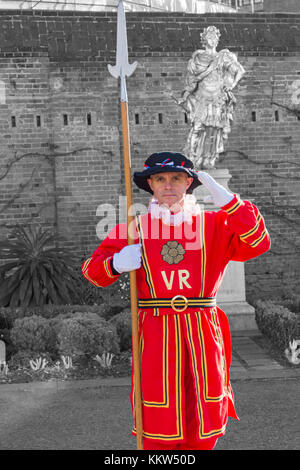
(60, 120)
(280, 6)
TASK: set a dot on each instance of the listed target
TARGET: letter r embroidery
(183, 275)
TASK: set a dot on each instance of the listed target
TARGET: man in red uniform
(180, 257)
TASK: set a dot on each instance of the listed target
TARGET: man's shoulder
(142, 217)
(119, 231)
(217, 215)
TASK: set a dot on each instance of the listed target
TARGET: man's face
(169, 188)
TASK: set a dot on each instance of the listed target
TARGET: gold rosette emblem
(172, 252)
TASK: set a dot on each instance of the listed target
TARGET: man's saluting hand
(219, 195)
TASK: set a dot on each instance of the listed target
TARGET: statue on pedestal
(208, 99)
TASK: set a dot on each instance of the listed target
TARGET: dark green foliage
(8, 315)
(117, 295)
(87, 334)
(276, 322)
(36, 271)
(73, 334)
(22, 358)
(33, 334)
(122, 322)
(290, 300)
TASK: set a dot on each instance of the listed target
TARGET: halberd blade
(122, 67)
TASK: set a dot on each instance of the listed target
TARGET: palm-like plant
(36, 272)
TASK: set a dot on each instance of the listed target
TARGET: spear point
(122, 67)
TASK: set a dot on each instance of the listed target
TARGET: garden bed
(120, 367)
(81, 370)
(275, 353)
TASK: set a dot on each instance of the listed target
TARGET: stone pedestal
(231, 296)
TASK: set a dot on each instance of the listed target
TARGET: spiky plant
(36, 272)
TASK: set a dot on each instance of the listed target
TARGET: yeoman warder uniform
(185, 345)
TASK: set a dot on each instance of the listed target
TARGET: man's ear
(150, 183)
(190, 180)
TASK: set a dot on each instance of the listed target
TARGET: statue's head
(210, 36)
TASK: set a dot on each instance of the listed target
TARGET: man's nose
(168, 183)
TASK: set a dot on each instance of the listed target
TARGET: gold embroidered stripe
(85, 273)
(203, 252)
(204, 365)
(220, 338)
(253, 230)
(258, 240)
(179, 429)
(107, 268)
(165, 382)
(190, 302)
(87, 262)
(234, 208)
(145, 263)
(202, 433)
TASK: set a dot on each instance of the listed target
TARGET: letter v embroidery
(168, 283)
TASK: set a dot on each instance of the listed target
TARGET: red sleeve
(97, 269)
(248, 234)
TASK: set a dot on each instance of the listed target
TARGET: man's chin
(172, 204)
(170, 201)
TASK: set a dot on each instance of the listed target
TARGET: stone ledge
(241, 315)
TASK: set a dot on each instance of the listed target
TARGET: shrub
(37, 272)
(86, 292)
(87, 334)
(8, 315)
(291, 302)
(276, 322)
(33, 334)
(122, 322)
(52, 311)
(118, 294)
(22, 358)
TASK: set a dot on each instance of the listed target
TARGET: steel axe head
(122, 67)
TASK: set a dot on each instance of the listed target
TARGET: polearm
(123, 69)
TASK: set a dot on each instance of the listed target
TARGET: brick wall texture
(61, 146)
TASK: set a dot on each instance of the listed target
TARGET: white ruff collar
(190, 208)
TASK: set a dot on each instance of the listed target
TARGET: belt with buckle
(179, 303)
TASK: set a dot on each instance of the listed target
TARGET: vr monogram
(182, 275)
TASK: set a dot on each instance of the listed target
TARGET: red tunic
(190, 334)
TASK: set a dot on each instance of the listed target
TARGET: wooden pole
(123, 69)
(132, 277)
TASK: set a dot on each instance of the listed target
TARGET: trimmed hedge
(9, 314)
(33, 334)
(87, 334)
(276, 322)
(122, 322)
(74, 334)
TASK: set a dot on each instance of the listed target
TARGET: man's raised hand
(218, 194)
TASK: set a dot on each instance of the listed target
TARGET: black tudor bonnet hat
(161, 162)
